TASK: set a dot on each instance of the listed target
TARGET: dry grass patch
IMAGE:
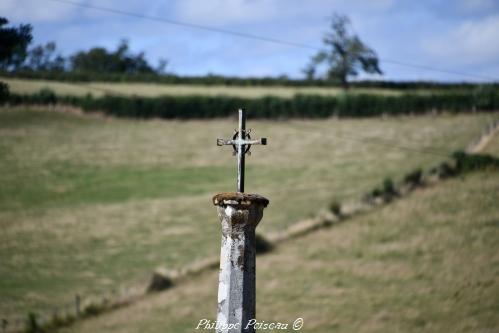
(26, 86)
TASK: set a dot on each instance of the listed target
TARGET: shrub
(388, 189)
(471, 162)
(4, 92)
(335, 207)
(32, 324)
(160, 280)
(414, 178)
(445, 170)
(376, 192)
(45, 96)
(92, 310)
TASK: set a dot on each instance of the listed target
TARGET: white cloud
(471, 43)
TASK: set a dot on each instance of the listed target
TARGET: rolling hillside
(89, 204)
(427, 263)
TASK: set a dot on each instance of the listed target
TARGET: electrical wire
(259, 37)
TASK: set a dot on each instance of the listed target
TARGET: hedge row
(300, 106)
(468, 163)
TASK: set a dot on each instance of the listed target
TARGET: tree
(309, 71)
(344, 54)
(43, 58)
(13, 44)
(99, 60)
(161, 67)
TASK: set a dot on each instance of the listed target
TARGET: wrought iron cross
(241, 143)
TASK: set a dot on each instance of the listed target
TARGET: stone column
(239, 214)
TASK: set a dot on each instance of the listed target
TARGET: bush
(335, 207)
(4, 92)
(471, 162)
(389, 187)
(32, 324)
(445, 170)
(388, 190)
(92, 310)
(414, 178)
(160, 280)
(45, 96)
(376, 192)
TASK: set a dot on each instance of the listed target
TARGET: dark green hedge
(300, 106)
(471, 162)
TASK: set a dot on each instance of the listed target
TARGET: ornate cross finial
(241, 143)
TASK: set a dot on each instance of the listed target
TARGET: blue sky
(459, 35)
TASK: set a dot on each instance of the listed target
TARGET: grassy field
(427, 263)
(88, 203)
(25, 86)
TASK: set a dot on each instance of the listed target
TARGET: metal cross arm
(241, 142)
(237, 142)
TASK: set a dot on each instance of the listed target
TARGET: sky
(458, 36)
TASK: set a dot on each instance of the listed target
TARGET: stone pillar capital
(238, 198)
(238, 211)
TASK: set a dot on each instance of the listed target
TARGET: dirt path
(484, 141)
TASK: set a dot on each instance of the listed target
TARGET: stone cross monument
(239, 213)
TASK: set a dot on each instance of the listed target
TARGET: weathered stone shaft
(239, 214)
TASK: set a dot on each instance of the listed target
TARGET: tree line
(16, 56)
(344, 56)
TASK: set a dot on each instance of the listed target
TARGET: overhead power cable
(259, 37)
(372, 141)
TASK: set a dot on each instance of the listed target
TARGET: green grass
(88, 203)
(26, 86)
(427, 263)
